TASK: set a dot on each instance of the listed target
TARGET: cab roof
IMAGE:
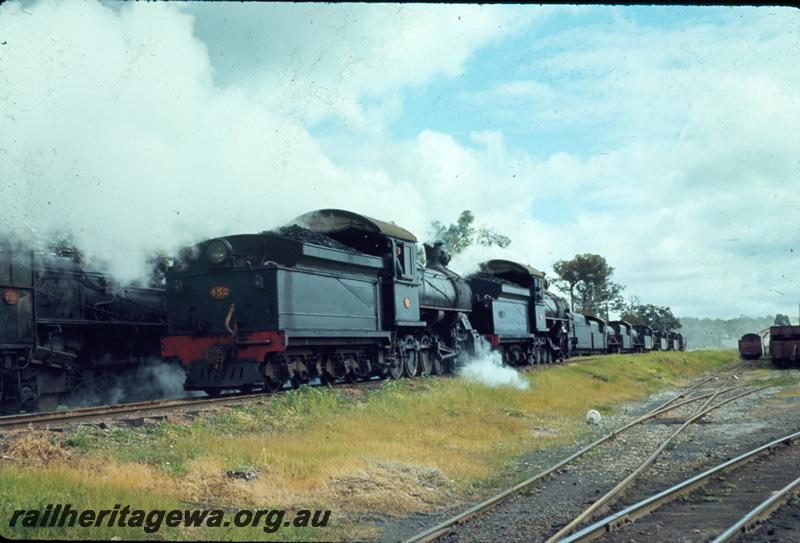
(330, 221)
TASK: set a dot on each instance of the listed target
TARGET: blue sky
(663, 138)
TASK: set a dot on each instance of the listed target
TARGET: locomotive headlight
(218, 251)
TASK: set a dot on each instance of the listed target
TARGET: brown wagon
(784, 345)
(750, 346)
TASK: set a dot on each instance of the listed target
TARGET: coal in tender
(493, 278)
(304, 235)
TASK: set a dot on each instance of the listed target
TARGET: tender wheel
(327, 378)
(352, 370)
(351, 377)
(271, 385)
(213, 392)
(274, 378)
(328, 374)
(513, 356)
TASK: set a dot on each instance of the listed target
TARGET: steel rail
(447, 525)
(83, 413)
(11, 422)
(40, 419)
(622, 485)
(648, 505)
(760, 513)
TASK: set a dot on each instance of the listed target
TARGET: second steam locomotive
(65, 330)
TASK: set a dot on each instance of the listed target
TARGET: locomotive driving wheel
(410, 363)
(410, 356)
(395, 367)
(426, 355)
(437, 364)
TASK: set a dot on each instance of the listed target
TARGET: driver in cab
(392, 261)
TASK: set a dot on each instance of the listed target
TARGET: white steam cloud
(121, 135)
(486, 367)
(154, 379)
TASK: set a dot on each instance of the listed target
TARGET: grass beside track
(407, 446)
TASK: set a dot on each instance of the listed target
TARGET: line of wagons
(783, 346)
(333, 296)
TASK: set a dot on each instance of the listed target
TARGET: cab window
(408, 260)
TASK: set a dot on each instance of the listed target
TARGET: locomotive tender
(61, 327)
(330, 302)
(349, 297)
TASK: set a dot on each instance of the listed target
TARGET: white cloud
(317, 60)
(120, 136)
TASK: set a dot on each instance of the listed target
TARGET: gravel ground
(540, 512)
(707, 512)
(784, 526)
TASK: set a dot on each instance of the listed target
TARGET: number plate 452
(220, 292)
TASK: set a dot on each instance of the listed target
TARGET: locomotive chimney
(436, 256)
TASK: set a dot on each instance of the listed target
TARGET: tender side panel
(321, 301)
(510, 317)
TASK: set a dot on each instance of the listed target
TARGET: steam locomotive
(349, 297)
(63, 328)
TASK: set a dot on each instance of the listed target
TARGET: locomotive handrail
(87, 306)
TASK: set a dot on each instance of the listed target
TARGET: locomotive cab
(395, 245)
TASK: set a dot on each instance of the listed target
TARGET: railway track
(137, 409)
(773, 479)
(83, 414)
(449, 525)
(615, 492)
